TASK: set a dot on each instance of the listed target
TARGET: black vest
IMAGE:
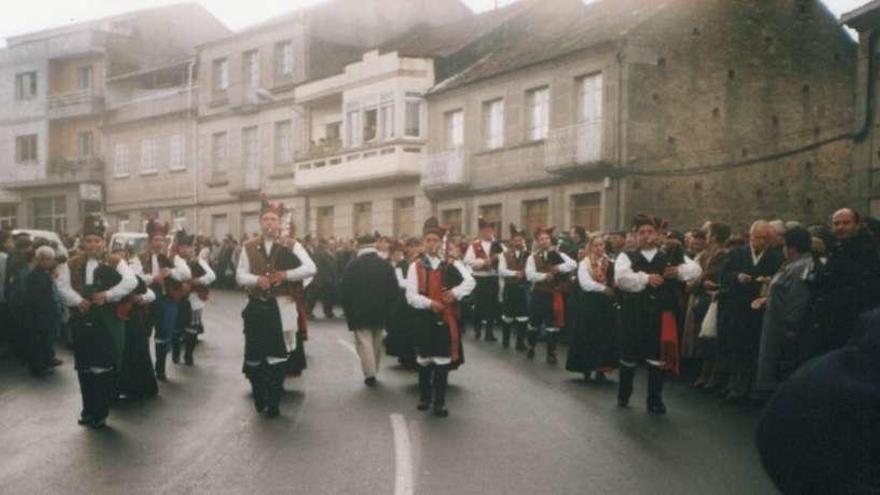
(664, 294)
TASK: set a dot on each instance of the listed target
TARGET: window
(219, 227)
(122, 222)
(586, 211)
(363, 218)
(252, 69)
(454, 218)
(25, 86)
(539, 113)
(284, 59)
(148, 157)
(493, 124)
(404, 217)
(179, 219)
(590, 98)
(84, 144)
(370, 124)
(326, 226)
(84, 77)
(26, 149)
(413, 116)
(8, 217)
(454, 129)
(120, 154)
(176, 152)
(534, 214)
(51, 213)
(492, 214)
(282, 142)
(250, 223)
(386, 117)
(333, 132)
(220, 74)
(218, 152)
(352, 128)
(249, 158)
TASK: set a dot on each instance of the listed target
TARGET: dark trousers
(486, 302)
(655, 384)
(433, 382)
(267, 385)
(97, 391)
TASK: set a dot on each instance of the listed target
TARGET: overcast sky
(22, 16)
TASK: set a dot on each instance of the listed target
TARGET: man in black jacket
(368, 290)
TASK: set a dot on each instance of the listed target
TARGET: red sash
(431, 286)
(669, 342)
(558, 308)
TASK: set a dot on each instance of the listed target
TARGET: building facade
(52, 162)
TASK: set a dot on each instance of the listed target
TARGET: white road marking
(347, 345)
(403, 460)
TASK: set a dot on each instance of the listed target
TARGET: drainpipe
(618, 186)
(863, 131)
(193, 141)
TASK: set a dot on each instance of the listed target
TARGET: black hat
(514, 232)
(276, 207)
(643, 219)
(181, 238)
(94, 225)
(105, 277)
(432, 226)
(154, 228)
(366, 239)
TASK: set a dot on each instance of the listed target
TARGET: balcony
(77, 44)
(383, 162)
(574, 148)
(58, 172)
(150, 104)
(75, 104)
(444, 171)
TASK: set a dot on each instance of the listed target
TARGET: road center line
(403, 464)
(347, 345)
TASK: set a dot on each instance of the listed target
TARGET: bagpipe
(174, 289)
(202, 291)
(106, 277)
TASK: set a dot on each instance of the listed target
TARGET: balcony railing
(151, 104)
(74, 104)
(444, 170)
(58, 171)
(573, 147)
(77, 44)
(382, 162)
(19, 173)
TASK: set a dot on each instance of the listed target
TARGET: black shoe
(370, 381)
(490, 336)
(622, 403)
(273, 412)
(520, 346)
(530, 353)
(657, 408)
(84, 421)
(602, 379)
(423, 406)
(160, 375)
(441, 412)
(552, 358)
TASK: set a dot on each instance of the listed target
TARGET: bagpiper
(482, 258)
(265, 272)
(165, 275)
(434, 286)
(547, 270)
(515, 295)
(189, 317)
(646, 280)
(90, 284)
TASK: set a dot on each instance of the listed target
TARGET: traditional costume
(515, 295)
(548, 295)
(272, 315)
(438, 337)
(594, 340)
(98, 332)
(482, 258)
(400, 340)
(648, 329)
(136, 377)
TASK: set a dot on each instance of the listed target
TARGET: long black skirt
(136, 378)
(401, 339)
(594, 334)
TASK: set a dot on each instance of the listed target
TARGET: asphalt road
(515, 427)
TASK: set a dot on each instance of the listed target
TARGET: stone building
(866, 156)
(587, 113)
(53, 91)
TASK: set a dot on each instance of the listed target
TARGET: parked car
(50, 236)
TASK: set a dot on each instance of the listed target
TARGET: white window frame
(177, 152)
(454, 129)
(352, 126)
(219, 154)
(220, 74)
(282, 142)
(284, 59)
(85, 149)
(385, 118)
(27, 148)
(408, 102)
(251, 69)
(493, 124)
(148, 157)
(538, 113)
(589, 99)
(26, 85)
(84, 83)
(120, 160)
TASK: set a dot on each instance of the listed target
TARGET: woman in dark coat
(136, 376)
(400, 341)
(594, 339)
(41, 314)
